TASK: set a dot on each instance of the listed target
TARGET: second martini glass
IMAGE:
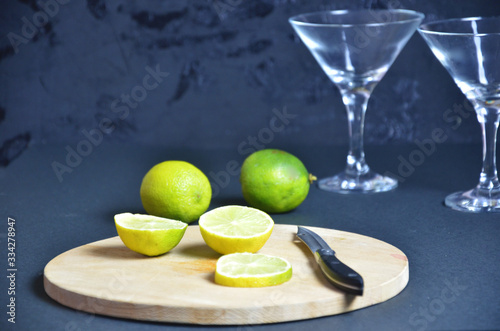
(355, 49)
(469, 49)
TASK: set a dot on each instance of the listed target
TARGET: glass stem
(356, 100)
(488, 119)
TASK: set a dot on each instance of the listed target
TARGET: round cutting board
(107, 278)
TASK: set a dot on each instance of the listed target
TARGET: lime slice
(252, 270)
(235, 229)
(149, 235)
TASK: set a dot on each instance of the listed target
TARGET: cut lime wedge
(149, 235)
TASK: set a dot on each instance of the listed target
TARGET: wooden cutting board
(107, 278)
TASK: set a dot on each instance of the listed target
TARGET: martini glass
(355, 49)
(469, 49)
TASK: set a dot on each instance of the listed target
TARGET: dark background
(229, 64)
(233, 65)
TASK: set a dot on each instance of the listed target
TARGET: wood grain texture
(107, 278)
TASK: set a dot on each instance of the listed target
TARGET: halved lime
(232, 229)
(149, 235)
(252, 270)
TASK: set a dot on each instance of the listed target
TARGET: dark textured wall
(205, 73)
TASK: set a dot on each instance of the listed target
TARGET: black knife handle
(338, 273)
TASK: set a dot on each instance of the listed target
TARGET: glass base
(474, 201)
(370, 182)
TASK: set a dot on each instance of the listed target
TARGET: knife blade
(332, 268)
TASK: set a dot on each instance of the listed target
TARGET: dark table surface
(454, 257)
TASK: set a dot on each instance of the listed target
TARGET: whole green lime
(177, 190)
(274, 181)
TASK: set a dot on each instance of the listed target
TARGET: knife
(333, 269)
